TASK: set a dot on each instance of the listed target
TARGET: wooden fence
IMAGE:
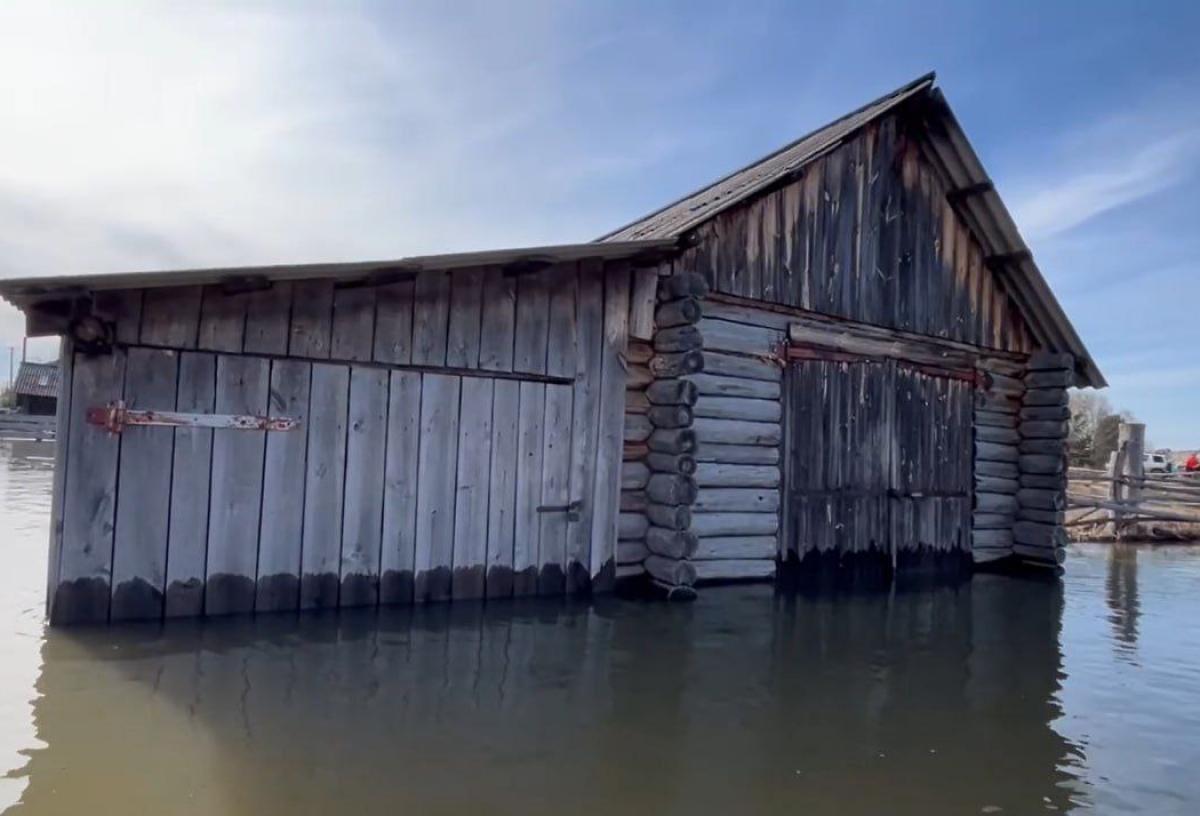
(25, 426)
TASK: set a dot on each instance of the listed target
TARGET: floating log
(1043, 447)
(995, 503)
(672, 463)
(1001, 436)
(1054, 517)
(716, 474)
(1048, 465)
(992, 521)
(632, 525)
(1045, 396)
(755, 410)
(999, 537)
(1043, 481)
(736, 500)
(999, 470)
(636, 402)
(728, 547)
(719, 386)
(671, 543)
(735, 569)
(1047, 555)
(671, 516)
(681, 312)
(1043, 499)
(673, 440)
(634, 475)
(707, 525)
(989, 484)
(736, 365)
(678, 339)
(633, 501)
(992, 452)
(670, 416)
(994, 420)
(1044, 429)
(1050, 379)
(638, 376)
(672, 392)
(1032, 534)
(736, 432)
(678, 364)
(682, 285)
(664, 488)
(639, 352)
(631, 552)
(633, 451)
(637, 427)
(1050, 361)
(738, 454)
(673, 571)
(1039, 413)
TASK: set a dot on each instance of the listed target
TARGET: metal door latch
(115, 416)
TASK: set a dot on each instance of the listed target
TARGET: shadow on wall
(746, 701)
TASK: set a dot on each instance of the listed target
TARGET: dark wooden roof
(37, 380)
(972, 194)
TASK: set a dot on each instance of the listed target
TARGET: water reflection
(1121, 590)
(739, 703)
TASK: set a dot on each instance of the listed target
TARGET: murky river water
(999, 696)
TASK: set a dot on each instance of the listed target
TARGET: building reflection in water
(1121, 593)
(934, 701)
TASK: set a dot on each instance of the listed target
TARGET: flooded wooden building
(839, 357)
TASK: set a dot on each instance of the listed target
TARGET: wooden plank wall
(447, 422)
(867, 234)
(739, 434)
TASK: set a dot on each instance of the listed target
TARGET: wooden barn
(839, 357)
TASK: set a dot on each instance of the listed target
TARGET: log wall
(459, 437)
(1038, 535)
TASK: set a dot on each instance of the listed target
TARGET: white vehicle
(1155, 463)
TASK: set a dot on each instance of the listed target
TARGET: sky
(155, 135)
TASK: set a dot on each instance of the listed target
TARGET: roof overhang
(25, 292)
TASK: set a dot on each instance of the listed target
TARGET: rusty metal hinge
(115, 416)
(572, 509)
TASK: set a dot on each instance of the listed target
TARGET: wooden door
(879, 461)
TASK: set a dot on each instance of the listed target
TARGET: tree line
(1094, 429)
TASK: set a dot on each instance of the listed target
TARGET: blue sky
(155, 135)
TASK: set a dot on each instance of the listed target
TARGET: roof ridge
(926, 80)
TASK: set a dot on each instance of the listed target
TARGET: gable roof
(37, 380)
(971, 193)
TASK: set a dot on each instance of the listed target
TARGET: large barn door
(879, 468)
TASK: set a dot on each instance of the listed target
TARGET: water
(1001, 696)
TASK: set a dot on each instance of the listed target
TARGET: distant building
(36, 388)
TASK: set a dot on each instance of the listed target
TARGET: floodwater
(998, 696)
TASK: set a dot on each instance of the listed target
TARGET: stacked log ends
(633, 521)
(997, 472)
(1038, 535)
(671, 488)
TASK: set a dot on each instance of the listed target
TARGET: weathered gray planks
(268, 315)
(222, 320)
(736, 500)
(474, 487)
(585, 422)
(755, 410)
(323, 486)
(642, 301)
(717, 474)
(737, 454)
(707, 525)
(530, 451)
(171, 317)
(736, 432)
(89, 494)
(466, 306)
(502, 498)
(498, 321)
(732, 365)
(187, 541)
(362, 509)
(143, 490)
(237, 476)
(438, 464)
(353, 335)
(431, 318)
(399, 537)
(62, 418)
(281, 529)
(394, 323)
(312, 319)
(556, 466)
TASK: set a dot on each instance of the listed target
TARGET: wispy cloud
(1108, 178)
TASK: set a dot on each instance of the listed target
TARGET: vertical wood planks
(556, 440)
(362, 510)
(144, 489)
(222, 320)
(400, 489)
(243, 385)
(498, 321)
(462, 344)
(431, 316)
(124, 308)
(502, 504)
(611, 429)
(187, 541)
(438, 459)
(282, 527)
(268, 315)
(89, 494)
(473, 487)
(585, 422)
(529, 356)
(312, 319)
(393, 323)
(353, 323)
(323, 487)
(171, 316)
(62, 417)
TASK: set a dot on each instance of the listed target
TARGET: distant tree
(8, 398)
(1088, 408)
